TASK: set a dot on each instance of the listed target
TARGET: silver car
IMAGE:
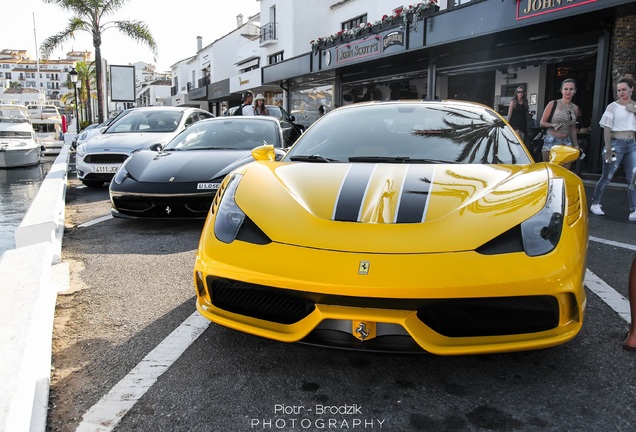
(99, 158)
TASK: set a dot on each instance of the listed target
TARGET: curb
(31, 277)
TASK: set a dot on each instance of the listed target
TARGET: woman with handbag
(619, 130)
(561, 125)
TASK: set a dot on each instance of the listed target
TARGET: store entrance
(475, 87)
(389, 88)
(583, 71)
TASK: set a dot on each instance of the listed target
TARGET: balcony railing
(203, 81)
(268, 33)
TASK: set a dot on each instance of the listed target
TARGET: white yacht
(18, 145)
(47, 124)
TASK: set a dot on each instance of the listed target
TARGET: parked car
(136, 129)
(181, 180)
(291, 130)
(404, 225)
(83, 135)
(89, 132)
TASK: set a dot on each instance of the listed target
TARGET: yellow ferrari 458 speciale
(400, 226)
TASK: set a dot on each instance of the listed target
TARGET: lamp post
(73, 75)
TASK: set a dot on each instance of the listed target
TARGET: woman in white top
(619, 130)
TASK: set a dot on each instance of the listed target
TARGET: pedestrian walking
(246, 108)
(259, 105)
(619, 133)
(518, 113)
(562, 126)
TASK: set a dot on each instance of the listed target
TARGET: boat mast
(37, 62)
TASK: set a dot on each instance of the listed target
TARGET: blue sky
(175, 34)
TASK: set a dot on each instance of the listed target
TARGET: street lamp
(73, 75)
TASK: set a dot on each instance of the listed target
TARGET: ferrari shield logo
(363, 330)
(363, 269)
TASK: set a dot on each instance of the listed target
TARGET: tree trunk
(99, 73)
(89, 108)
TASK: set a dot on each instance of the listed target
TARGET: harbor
(18, 187)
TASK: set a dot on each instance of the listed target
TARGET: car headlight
(541, 233)
(229, 216)
(121, 173)
(80, 151)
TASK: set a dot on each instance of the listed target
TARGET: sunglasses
(520, 91)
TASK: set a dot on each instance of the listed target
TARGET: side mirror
(561, 155)
(292, 118)
(264, 153)
(155, 147)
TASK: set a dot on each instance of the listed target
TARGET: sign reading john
(531, 8)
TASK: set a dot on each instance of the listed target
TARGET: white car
(98, 159)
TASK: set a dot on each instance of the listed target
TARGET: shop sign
(198, 93)
(358, 50)
(370, 47)
(532, 8)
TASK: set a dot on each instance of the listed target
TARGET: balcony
(203, 81)
(268, 34)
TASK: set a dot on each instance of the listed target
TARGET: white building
(47, 77)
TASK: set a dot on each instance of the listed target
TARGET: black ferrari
(180, 180)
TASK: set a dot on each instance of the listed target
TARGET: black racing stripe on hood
(415, 194)
(352, 192)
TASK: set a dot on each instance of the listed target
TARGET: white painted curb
(30, 278)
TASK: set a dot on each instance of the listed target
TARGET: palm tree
(88, 15)
(85, 75)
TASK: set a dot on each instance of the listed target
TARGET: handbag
(536, 145)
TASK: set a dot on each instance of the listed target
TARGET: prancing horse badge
(363, 269)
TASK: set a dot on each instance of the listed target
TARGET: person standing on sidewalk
(518, 112)
(562, 126)
(619, 135)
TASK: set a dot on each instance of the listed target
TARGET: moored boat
(18, 145)
(47, 124)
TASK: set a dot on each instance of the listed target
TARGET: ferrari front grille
(496, 316)
(258, 301)
(106, 158)
(470, 317)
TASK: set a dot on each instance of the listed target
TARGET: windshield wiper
(312, 158)
(399, 159)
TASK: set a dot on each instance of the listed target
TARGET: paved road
(132, 354)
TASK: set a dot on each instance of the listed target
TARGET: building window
(7, 75)
(6, 66)
(276, 58)
(355, 22)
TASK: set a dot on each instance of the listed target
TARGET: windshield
(147, 121)
(233, 133)
(14, 114)
(435, 132)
